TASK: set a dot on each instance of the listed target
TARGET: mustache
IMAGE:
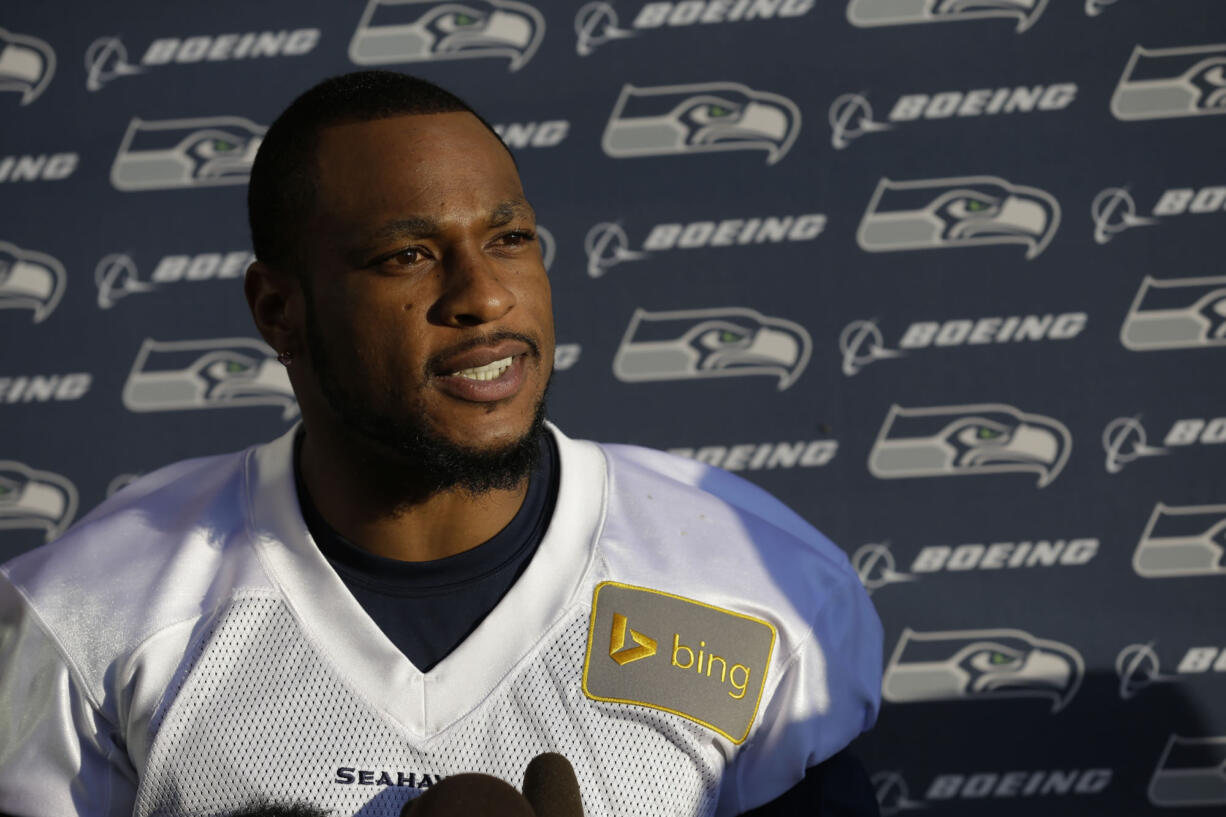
(436, 360)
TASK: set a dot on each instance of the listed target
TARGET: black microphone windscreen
(469, 795)
(550, 786)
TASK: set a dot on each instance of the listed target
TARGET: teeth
(489, 371)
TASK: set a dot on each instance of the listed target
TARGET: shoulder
(708, 486)
(674, 493)
(701, 528)
(685, 529)
(145, 520)
(145, 559)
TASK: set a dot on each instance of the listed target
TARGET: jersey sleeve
(829, 691)
(58, 754)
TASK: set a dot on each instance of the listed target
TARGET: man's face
(429, 313)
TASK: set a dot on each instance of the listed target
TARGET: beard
(427, 462)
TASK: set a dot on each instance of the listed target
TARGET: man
(424, 578)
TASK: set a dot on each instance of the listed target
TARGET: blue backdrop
(944, 276)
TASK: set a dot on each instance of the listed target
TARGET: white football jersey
(685, 640)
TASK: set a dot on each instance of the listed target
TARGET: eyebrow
(422, 227)
(507, 211)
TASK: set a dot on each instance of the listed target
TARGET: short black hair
(281, 193)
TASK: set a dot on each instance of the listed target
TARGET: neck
(378, 501)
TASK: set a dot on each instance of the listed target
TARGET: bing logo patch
(653, 649)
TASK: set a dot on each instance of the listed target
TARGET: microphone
(550, 786)
(550, 790)
(469, 795)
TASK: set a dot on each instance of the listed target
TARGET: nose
(473, 292)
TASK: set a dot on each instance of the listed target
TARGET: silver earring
(285, 358)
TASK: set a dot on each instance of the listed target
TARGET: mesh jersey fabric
(186, 648)
(264, 717)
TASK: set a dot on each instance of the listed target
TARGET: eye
(407, 257)
(963, 207)
(517, 237)
(995, 659)
(713, 112)
(1216, 75)
(215, 146)
(977, 434)
(722, 338)
(459, 20)
(223, 369)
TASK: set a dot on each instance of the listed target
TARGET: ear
(275, 299)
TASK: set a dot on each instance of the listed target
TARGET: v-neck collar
(426, 703)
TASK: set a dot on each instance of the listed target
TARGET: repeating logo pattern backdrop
(945, 277)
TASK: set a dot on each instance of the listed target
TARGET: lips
(484, 373)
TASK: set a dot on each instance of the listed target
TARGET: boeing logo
(106, 59)
(1137, 667)
(597, 23)
(1125, 440)
(1114, 211)
(875, 566)
(850, 117)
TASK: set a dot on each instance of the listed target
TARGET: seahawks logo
(173, 153)
(30, 280)
(1182, 541)
(199, 374)
(1183, 313)
(989, 438)
(700, 118)
(401, 31)
(1191, 772)
(981, 664)
(27, 65)
(35, 499)
(966, 211)
(1160, 83)
(898, 12)
(700, 343)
